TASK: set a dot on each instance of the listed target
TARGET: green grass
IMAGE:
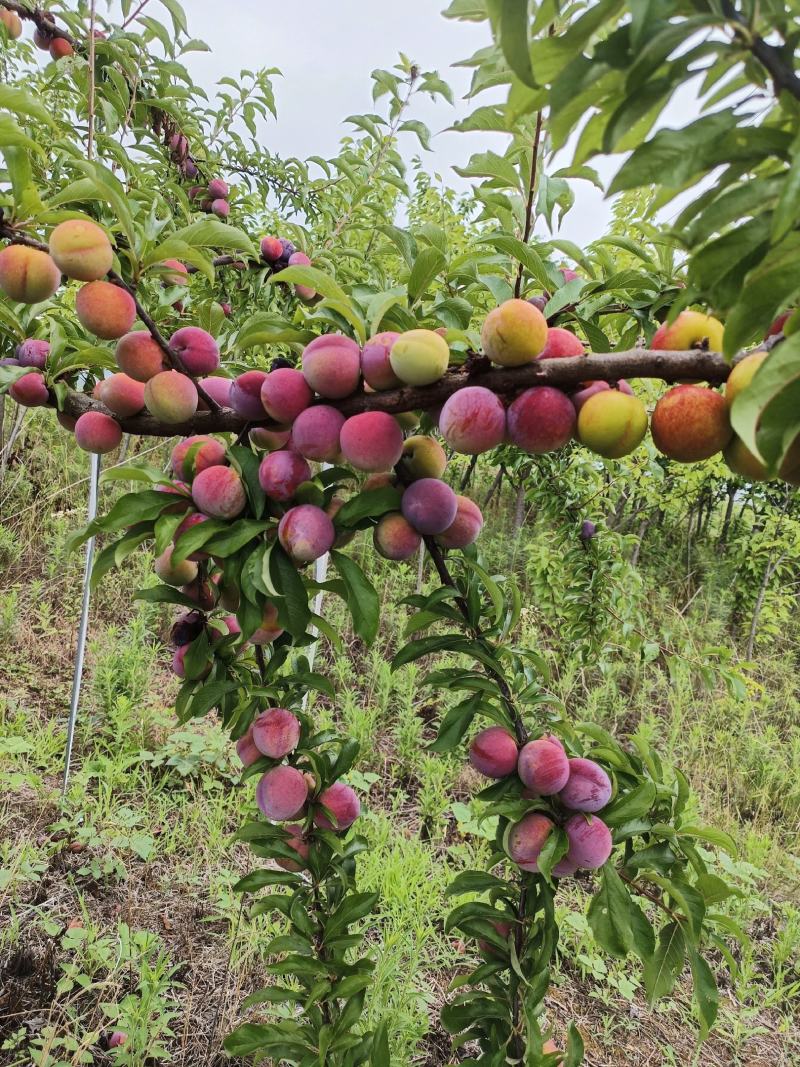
(116, 908)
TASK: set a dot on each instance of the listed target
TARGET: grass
(115, 906)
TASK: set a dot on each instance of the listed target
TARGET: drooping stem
(531, 193)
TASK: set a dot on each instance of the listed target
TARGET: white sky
(326, 50)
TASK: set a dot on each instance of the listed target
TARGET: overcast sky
(326, 50)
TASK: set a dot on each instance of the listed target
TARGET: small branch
(42, 21)
(531, 193)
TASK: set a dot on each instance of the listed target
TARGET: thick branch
(506, 382)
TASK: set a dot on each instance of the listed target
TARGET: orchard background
(538, 552)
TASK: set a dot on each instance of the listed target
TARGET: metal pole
(94, 480)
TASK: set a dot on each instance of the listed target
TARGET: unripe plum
(81, 249)
(375, 364)
(281, 793)
(343, 807)
(276, 732)
(245, 395)
(28, 275)
(588, 787)
(315, 433)
(394, 537)
(494, 752)
(466, 526)
(371, 441)
(176, 574)
(473, 420)
(30, 390)
(429, 505)
(561, 343)
(33, 353)
(691, 423)
(218, 389)
(543, 767)
(281, 473)
(297, 842)
(541, 419)
(171, 396)
(332, 365)
(741, 375)
(284, 394)
(590, 841)
(195, 454)
(514, 333)
(741, 461)
(268, 631)
(612, 423)
(306, 533)
(105, 310)
(691, 329)
(122, 395)
(197, 349)
(218, 492)
(139, 356)
(423, 457)
(526, 839)
(419, 357)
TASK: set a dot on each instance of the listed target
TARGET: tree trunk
(493, 487)
(644, 526)
(519, 508)
(726, 522)
(468, 473)
(769, 570)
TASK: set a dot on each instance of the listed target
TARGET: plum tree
(394, 537)
(493, 752)
(81, 249)
(28, 275)
(197, 349)
(514, 333)
(588, 787)
(218, 492)
(690, 423)
(281, 793)
(419, 357)
(281, 473)
(473, 420)
(276, 732)
(429, 505)
(170, 396)
(543, 767)
(541, 419)
(332, 365)
(284, 394)
(306, 533)
(371, 441)
(105, 310)
(612, 423)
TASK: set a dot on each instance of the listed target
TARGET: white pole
(320, 574)
(94, 480)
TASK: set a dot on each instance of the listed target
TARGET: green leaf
(369, 503)
(362, 599)
(514, 39)
(663, 970)
(294, 613)
(427, 265)
(610, 914)
(766, 290)
(524, 254)
(632, 805)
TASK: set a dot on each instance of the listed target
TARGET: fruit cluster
(211, 198)
(568, 791)
(57, 46)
